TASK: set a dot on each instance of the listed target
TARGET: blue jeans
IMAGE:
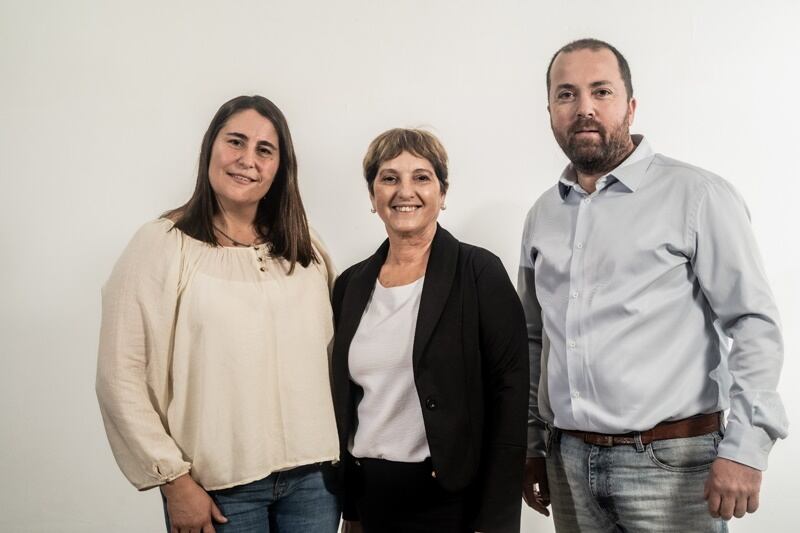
(633, 488)
(300, 500)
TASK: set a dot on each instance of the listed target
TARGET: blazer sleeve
(139, 304)
(503, 344)
(346, 467)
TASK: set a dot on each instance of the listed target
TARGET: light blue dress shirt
(646, 301)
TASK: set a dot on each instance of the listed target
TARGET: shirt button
(579, 245)
(431, 403)
(574, 294)
(433, 474)
(587, 200)
(576, 395)
(571, 344)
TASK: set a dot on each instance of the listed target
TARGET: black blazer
(470, 363)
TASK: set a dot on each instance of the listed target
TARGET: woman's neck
(407, 259)
(238, 225)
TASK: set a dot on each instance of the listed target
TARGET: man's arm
(535, 487)
(728, 267)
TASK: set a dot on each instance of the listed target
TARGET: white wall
(103, 105)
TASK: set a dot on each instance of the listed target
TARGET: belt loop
(722, 423)
(637, 440)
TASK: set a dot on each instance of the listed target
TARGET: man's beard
(593, 157)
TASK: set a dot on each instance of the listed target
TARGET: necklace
(234, 241)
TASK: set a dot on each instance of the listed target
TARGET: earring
(444, 206)
(372, 210)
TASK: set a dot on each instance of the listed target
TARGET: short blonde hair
(392, 143)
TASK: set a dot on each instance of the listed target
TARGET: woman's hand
(350, 526)
(189, 507)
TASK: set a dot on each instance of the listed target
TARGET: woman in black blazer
(429, 364)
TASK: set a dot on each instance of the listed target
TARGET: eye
(388, 178)
(235, 142)
(265, 151)
(602, 93)
(422, 177)
(565, 95)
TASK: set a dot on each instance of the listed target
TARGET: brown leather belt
(674, 429)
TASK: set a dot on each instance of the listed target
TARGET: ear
(631, 110)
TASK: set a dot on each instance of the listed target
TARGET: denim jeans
(300, 500)
(633, 488)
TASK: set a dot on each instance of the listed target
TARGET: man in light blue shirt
(649, 313)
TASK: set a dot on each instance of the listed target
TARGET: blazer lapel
(439, 276)
(357, 293)
(359, 289)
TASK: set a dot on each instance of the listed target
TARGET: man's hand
(732, 489)
(535, 489)
(189, 507)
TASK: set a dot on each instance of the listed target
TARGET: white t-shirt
(390, 424)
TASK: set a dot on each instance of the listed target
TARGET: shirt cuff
(162, 475)
(537, 440)
(747, 445)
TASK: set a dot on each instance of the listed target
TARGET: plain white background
(102, 109)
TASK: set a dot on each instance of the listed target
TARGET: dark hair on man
(280, 217)
(392, 143)
(595, 44)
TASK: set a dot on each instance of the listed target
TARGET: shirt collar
(628, 173)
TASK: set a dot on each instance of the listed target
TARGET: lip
(241, 178)
(406, 208)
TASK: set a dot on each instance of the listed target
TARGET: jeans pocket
(692, 454)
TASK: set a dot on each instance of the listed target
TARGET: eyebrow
(415, 170)
(599, 83)
(244, 137)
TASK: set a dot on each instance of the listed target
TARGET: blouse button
(259, 259)
(262, 269)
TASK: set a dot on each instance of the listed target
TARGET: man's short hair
(392, 143)
(595, 44)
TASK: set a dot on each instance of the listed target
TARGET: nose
(406, 189)
(585, 106)
(246, 159)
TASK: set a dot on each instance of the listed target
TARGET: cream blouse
(213, 360)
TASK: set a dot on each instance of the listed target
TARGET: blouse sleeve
(324, 257)
(138, 316)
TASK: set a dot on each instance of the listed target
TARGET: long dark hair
(280, 217)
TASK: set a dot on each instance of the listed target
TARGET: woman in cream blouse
(212, 370)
